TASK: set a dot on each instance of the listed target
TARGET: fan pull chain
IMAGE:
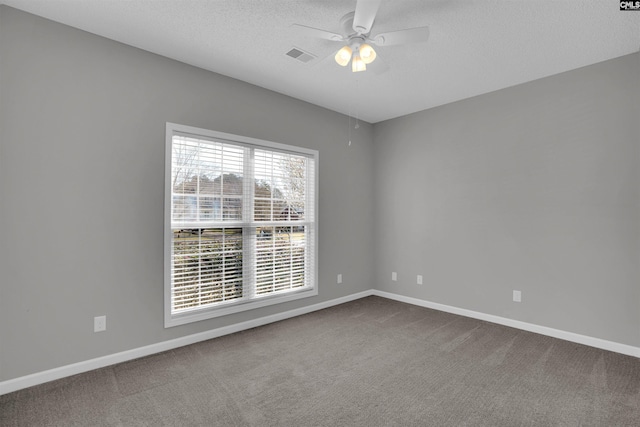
(351, 107)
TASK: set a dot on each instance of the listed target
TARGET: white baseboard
(100, 362)
(542, 330)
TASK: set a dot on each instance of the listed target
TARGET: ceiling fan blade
(317, 33)
(410, 35)
(366, 11)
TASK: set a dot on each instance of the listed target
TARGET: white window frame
(174, 319)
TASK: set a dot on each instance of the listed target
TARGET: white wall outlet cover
(99, 323)
(339, 279)
(394, 276)
(517, 296)
(419, 279)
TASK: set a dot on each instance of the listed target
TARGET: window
(240, 223)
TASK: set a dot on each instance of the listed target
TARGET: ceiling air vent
(300, 55)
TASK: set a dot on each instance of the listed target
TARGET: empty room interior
(291, 213)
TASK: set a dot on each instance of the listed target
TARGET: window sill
(217, 311)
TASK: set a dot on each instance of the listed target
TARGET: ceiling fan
(357, 38)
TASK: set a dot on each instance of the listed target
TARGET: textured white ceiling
(475, 47)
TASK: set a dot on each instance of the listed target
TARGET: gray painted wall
(534, 188)
(82, 139)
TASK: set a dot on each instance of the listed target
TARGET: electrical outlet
(339, 279)
(394, 276)
(517, 296)
(419, 280)
(99, 323)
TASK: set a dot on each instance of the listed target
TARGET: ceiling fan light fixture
(367, 53)
(357, 64)
(344, 56)
(356, 36)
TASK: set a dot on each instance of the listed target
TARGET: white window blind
(241, 227)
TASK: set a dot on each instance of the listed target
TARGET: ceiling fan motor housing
(355, 42)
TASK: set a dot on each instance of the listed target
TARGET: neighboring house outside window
(240, 223)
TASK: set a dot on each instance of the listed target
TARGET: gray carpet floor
(370, 362)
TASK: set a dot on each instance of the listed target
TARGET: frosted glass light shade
(367, 53)
(343, 56)
(357, 64)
